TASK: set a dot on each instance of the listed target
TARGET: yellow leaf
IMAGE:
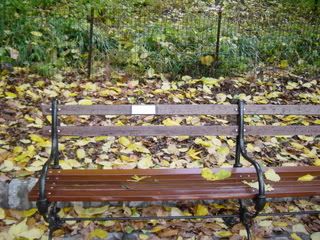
(158, 228)
(37, 138)
(271, 175)
(224, 150)
(85, 102)
(170, 122)
(284, 64)
(136, 178)
(10, 95)
(201, 210)
(207, 174)
(210, 81)
(98, 233)
(138, 147)
(225, 234)
(2, 214)
(206, 60)
(306, 178)
(81, 153)
(280, 224)
(69, 164)
(297, 145)
(30, 212)
(89, 212)
(317, 162)
(18, 149)
(193, 154)
(203, 143)
(294, 236)
(124, 141)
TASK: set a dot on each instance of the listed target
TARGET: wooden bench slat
(188, 109)
(175, 171)
(112, 185)
(144, 130)
(237, 192)
(84, 131)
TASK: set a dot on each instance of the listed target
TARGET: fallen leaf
(85, 102)
(201, 210)
(136, 178)
(306, 178)
(271, 175)
(169, 122)
(294, 236)
(193, 154)
(2, 213)
(98, 233)
(255, 185)
(207, 174)
(145, 162)
(81, 153)
(206, 60)
(225, 234)
(315, 236)
(124, 141)
(10, 95)
(299, 228)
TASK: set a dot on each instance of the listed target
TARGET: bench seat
(170, 184)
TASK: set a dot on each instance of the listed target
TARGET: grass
(169, 36)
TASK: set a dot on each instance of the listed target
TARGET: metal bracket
(55, 222)
(260, 199)
(43, 203)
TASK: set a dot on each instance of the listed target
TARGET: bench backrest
(182, 109)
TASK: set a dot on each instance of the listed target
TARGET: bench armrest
(42, 202)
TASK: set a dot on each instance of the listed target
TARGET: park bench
(58, 185)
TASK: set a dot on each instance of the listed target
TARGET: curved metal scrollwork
(260, 199)
(43, 204)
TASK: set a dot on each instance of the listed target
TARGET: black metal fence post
(218, 34)
(90, 42)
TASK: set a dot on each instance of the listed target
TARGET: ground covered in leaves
(23, 150)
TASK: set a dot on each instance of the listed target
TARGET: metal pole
(90, 43)
(218, 34)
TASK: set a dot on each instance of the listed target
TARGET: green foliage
(169, 36)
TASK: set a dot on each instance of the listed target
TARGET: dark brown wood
(177, 109)
(169, 184)
(188, 109)
(145, 131)
(183, 130)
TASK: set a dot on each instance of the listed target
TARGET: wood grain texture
(170, 184)
(189, 109)
(183, 130)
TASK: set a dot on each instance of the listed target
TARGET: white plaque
(143, 109)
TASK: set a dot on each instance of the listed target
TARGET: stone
(18, 193)
(4, 195)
